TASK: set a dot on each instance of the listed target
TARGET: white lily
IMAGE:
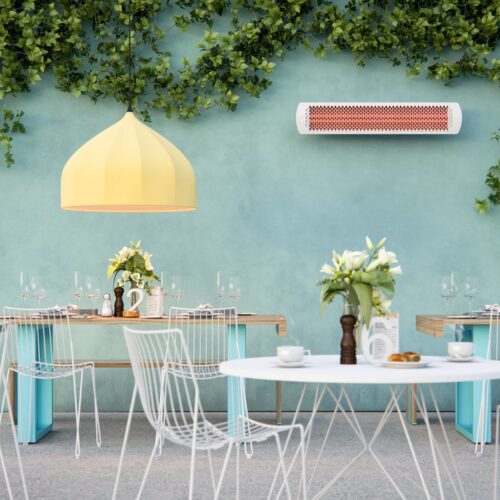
(135, 277)
(327, 269)
(381, 242)
(395, 270)
(358, 259)
(369, 243)
(372, 265)
(123, 253)
(125, 275)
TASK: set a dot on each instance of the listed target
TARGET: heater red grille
(378, 118)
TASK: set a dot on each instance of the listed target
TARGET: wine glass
(163, 285)
(24, 288)
(77, 286)
(93, 289)
(219, 290)
(470, 290)
(38, 291)
(176, 289)
(233, 288)
(446, 292)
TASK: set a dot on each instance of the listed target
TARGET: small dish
(461, 360)
(405, 364)
(293, 364)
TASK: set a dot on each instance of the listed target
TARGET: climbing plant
(84, 44)
(493, 182)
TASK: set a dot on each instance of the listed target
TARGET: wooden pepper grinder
(119, 301)
(348, 342)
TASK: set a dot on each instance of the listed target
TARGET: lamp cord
(129, 109)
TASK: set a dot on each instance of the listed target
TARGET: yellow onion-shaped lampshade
(128, 168)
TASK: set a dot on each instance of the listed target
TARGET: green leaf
(364, 295)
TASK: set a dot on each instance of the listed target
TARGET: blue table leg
(468, 394)
(236, 339)
(34, 396)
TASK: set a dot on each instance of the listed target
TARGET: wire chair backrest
(206, 335)
(163, 374)
(41, 334)
(5, 332)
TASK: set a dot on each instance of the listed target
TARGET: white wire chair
(5, 334)
(168, 389)
(42, 348)
(211, 337)
(206, 336)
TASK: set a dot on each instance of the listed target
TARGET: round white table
(324, 371)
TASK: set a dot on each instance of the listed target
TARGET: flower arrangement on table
(363, 278)
(135, 266)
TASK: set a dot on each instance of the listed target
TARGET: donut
(412, 356)
(398, 357)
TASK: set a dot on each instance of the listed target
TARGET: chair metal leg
(237, 471)
(223, 472)
(150, 461)
(96, 411)
(6, 475)
(125, 439)
(495, 472)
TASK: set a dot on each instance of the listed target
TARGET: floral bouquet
(135, 266)
(364, 278)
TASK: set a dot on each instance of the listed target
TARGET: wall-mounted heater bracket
(378, 118)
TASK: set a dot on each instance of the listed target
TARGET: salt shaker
(106, 310)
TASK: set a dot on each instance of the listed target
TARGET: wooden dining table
(41, 417)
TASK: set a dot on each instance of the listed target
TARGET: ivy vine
(493, 182)
(84, 44)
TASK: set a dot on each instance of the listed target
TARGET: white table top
(327, 370)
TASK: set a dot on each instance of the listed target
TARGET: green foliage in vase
(84, 44)
(363, 278)
(135, 267)
(493, 182)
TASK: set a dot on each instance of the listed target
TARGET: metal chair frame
(168, 390)
(53, 342)
(5, 333)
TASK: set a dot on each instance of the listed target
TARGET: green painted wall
(272, 206)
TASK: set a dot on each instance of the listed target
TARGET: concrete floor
(52, 472)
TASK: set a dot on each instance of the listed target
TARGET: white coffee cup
(292, 353)
(460, 349)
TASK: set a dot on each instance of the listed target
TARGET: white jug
(140, 294)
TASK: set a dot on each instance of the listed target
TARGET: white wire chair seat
(171, 402)
(211, 436)
(48, 371)
(42, 348)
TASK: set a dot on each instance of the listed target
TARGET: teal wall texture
(272, 206)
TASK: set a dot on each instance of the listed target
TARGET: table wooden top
(434, 324)
(276, 320)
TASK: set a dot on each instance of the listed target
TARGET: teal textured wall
(272, 206)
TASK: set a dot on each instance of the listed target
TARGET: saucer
(291, 364)
(460, 360)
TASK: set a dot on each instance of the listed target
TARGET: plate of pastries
(407, 359)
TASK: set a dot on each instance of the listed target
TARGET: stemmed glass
(163, 285)
(470, 290)
(449, 290)
(233, 288)
(93, 289)
(24, 288)
(219, 290)
(176, 289)
(77, 287)
(38, 291)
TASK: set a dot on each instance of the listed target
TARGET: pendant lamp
(128, 168)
